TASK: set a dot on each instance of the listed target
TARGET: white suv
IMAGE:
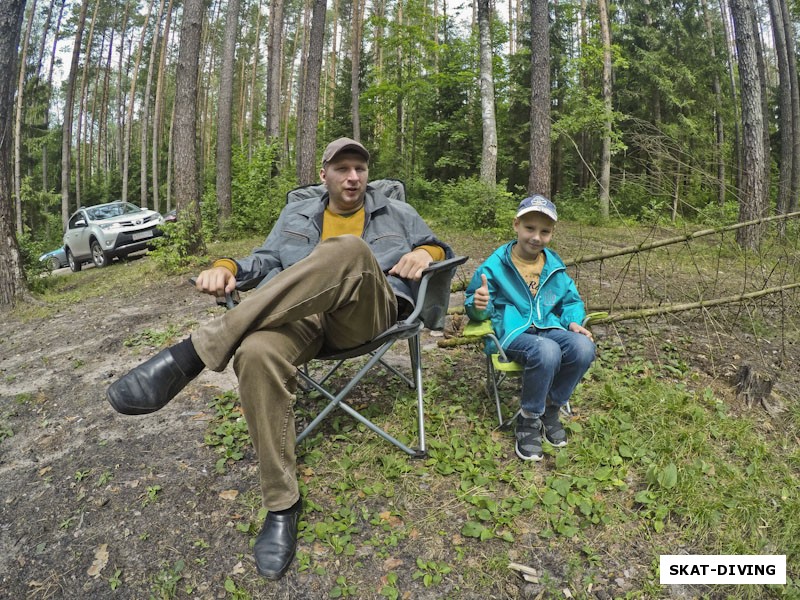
(99, 233)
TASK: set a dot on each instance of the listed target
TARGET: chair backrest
(393, 189)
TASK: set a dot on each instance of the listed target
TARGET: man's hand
(216, 281)
(580, 329)
(480, 300)
(411, 265)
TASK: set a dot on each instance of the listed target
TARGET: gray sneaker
(553, 429)
(528, 432)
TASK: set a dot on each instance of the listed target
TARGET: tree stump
(752, 387)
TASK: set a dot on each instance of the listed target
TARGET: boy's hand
(580, 329)
(480, 300)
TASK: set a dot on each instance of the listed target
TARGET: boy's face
(534, 232)
(346, 178)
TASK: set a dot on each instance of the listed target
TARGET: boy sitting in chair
(536, 313)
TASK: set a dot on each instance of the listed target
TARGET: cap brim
(539, 209)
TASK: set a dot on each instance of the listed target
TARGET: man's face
(534, 232)
(346, 179)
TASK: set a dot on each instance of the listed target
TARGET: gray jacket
(391, 229)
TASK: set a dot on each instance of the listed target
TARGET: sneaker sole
(554, 444)
(533, 457)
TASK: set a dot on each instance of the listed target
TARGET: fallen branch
(675, 308)
(674, 240)
(651, 312)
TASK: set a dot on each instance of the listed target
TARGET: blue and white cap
(537, 203)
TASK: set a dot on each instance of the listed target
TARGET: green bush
(30, 250)
(258, 193)
(171, 252)
(470, 204)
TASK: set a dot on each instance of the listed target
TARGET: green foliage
(151, 337)
(165, 584)
(5, 430)
(466, 204)
(258, 193)
(172, 252)
(227, 430)
(30, 250)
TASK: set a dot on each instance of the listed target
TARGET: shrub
(470, 204)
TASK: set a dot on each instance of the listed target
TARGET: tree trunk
(82, 103)
(752, 185)
(18, 121)
(43, 39)
(719, 129)
(225, 113)
(330, 89)
(307, 168)
(119, 132)
(605, 157)
(102, 142)
(12, 278)
(66, 137)
(253, 85)
(355, 67)
(539, 174)
(489, 146)
(126, 144)
(46, 126)
(791, 52)
(187, 188)
(157, 107)
(274, 70)
(737, 135)
(785, 108)
(145, 117)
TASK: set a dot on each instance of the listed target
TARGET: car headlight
(111, 226)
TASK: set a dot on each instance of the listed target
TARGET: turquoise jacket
(512, 308)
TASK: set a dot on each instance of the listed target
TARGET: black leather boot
(148, 387)
(276, 544)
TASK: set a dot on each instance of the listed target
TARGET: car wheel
(99, 258)
(74, 265)
(53, 263)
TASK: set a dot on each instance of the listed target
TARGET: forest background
(645, 120)
(651, 110)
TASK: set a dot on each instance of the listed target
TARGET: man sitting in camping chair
(340, 270)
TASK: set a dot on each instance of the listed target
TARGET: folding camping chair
(431, 308)
(432, 301)
(499, 366)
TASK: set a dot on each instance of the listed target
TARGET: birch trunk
(489, 146)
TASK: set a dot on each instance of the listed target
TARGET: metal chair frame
(430, 311)
(499, 366)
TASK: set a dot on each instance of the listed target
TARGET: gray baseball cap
(537, 203)
(343, 145)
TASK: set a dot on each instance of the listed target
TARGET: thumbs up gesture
(480, 299)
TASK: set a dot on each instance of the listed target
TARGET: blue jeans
(554, 361)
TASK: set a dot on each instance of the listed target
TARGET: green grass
(652, 464)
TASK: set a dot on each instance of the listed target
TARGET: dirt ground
(77, 479)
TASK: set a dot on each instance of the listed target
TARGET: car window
(109, 211)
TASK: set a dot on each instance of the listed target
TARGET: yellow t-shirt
(529, 269)
(353, 224)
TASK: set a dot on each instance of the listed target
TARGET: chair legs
(338, 400)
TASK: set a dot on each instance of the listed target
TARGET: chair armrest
(433, 295)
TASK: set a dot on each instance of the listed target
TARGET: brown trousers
(337, 296)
